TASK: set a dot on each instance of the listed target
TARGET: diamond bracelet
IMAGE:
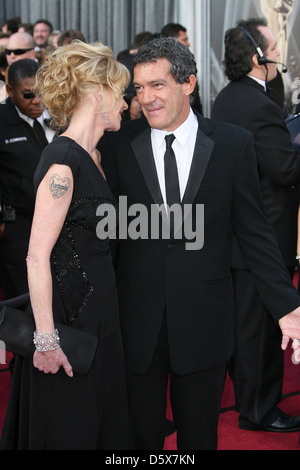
(47, 341)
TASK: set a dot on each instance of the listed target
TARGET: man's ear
(255, 61)
(32, 54)
(189, 86)
(9, 89)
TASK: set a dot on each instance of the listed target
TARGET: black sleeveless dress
(84, 412)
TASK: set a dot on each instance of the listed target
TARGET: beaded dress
(84, 412)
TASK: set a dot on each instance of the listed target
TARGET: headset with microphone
(262, 59)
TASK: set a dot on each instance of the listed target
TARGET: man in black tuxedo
(258, 363)
(22, 139)
(175, 291)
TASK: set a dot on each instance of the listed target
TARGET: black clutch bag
(17, 328)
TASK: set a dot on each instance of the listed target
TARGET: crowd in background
(39, 39)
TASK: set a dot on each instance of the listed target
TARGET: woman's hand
(50, 362)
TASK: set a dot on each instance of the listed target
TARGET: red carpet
(230, 436)
(4, 388)
(233, 438)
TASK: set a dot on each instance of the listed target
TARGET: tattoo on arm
(59, 187)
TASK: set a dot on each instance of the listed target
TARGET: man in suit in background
(22, 139)
(176, 30)
(258, 363)
(42, 30)
(175, 290)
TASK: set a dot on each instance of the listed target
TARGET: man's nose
(37, 99)
(148, 96)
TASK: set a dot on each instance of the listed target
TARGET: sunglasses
(27, 95)
(17, 51)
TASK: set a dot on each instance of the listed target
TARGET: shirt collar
(30, 120)
(261, 82)
(24, 117)
(181, 133)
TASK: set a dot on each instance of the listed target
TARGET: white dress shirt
(50, 133)
(183, 146)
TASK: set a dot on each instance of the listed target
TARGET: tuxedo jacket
(245, 103)
(19, 156)
(193, 288)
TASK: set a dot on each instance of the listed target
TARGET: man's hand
(290, 327)
(296, 354)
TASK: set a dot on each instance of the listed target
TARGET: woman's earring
(106, 120)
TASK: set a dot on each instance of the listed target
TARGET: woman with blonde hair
(70, 270)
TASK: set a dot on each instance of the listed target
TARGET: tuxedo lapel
(142, 148)
(202, 154)
(203, 150)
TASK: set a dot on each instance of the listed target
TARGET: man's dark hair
(68, 36)
(45, 22)
(21, 69)
(13, 24)
(172, 30)
(182, 61)
(139, 39)
(239, 49)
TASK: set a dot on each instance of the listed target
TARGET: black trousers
(195, 401)
(257, 366)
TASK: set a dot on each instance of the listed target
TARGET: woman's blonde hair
(73, 71)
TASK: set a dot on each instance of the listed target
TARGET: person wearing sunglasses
(21, 143)
(20, 46)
